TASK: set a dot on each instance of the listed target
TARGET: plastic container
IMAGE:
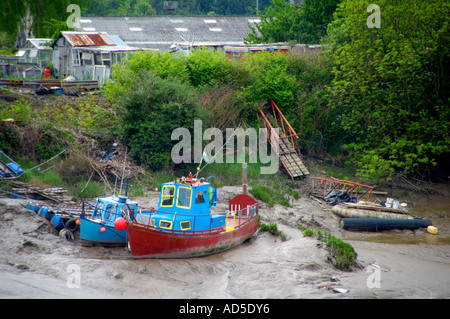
(57, 222)
(43, 212)
(15, 168)
(432, 230)
(58, 90)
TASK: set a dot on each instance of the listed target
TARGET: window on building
(76, 57)
(106, 57)
(98, 59)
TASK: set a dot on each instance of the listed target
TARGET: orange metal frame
(281, 121)
(347, 187)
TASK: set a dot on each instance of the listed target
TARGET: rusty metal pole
(244, 178)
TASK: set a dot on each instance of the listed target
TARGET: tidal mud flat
(36, 263)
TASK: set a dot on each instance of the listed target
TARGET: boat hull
(148, 242)
(91, 234)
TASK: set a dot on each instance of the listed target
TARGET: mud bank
(36, 263)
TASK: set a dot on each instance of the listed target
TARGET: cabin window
(165, 224)
(98, 210)
(184, 197)
(199, 199)
(185, 225)
(167, 196)
(110, 212)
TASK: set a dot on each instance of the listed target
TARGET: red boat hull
(148, 242)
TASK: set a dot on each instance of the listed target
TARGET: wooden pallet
(291, 160)
(54, 194)
(287, 142)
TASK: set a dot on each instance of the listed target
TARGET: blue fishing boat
(100, 228)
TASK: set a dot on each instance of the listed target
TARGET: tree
(154, 108)
(284, 22)
(143, 7)
(26, 18)
(391, 84)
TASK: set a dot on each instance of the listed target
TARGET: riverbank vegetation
(373, 102)
(341, 254)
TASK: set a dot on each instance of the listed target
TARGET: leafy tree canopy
(32, 14)
(284, 22)
(391, 84)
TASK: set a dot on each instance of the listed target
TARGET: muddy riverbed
(36, 263)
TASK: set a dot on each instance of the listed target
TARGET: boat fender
(432, 230)
(120, 224)
(71, 225)
(66, 234)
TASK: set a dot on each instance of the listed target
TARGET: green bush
(153, 110)
(203, 67)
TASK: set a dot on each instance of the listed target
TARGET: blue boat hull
(90, 234)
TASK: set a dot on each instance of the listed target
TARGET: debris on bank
(365, 215)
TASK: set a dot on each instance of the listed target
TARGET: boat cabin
(109, 208)
(185, 204)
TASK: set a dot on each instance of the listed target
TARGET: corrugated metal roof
(87, 39)
(41, 44)
(161, 31)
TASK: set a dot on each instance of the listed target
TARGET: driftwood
(114, 169)
(54, 194)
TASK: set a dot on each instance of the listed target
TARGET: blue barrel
(57, 222)
(31, 207)
(49, 215)
(43, 212)
(15, 168)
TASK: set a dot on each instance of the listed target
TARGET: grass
(273, 229)
(274, 192)
(341, 254)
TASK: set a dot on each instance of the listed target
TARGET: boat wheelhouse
(99, 229)
(186, 223)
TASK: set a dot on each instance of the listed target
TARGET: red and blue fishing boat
(186, 223)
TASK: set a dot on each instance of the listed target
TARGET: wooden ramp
(286, 147)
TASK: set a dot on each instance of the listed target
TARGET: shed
(37, 52)
(87, 55)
